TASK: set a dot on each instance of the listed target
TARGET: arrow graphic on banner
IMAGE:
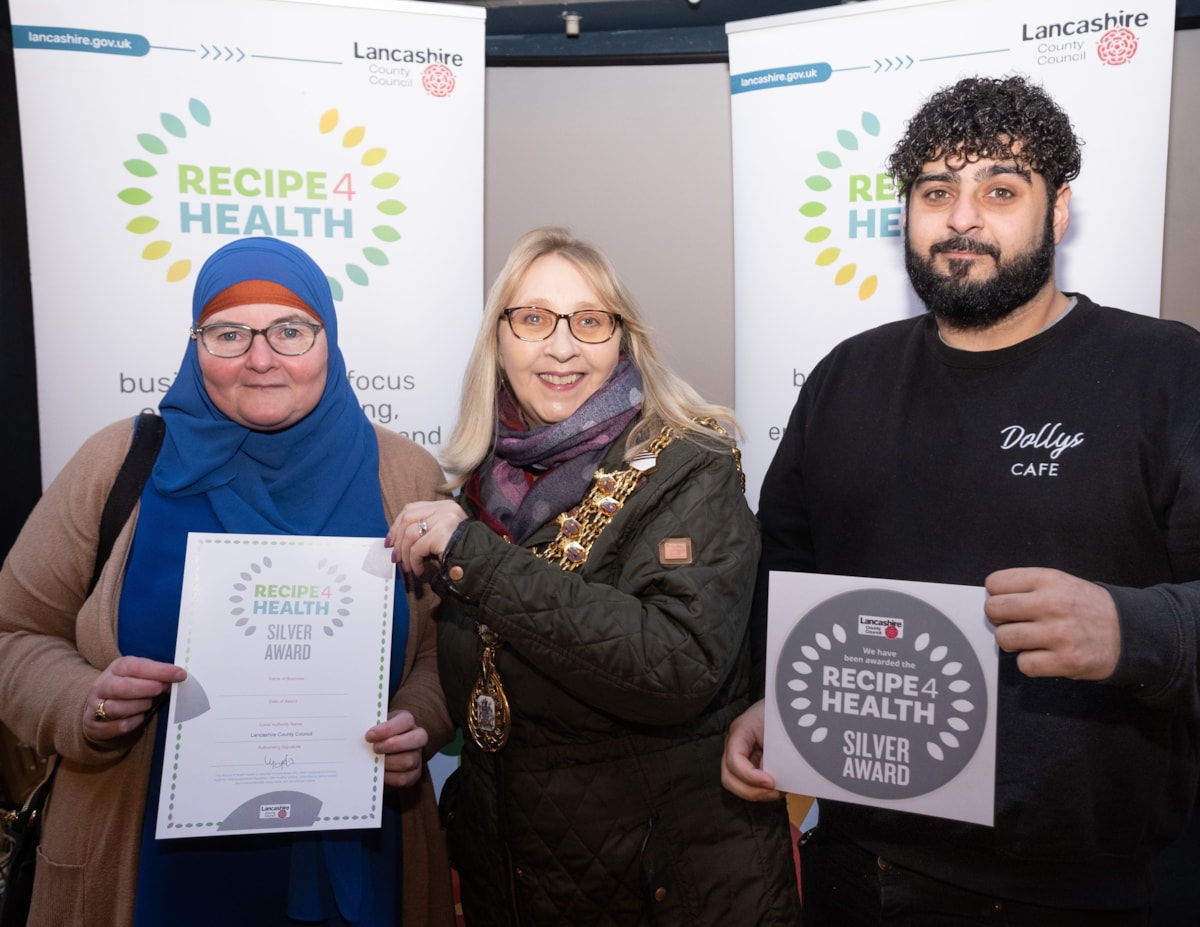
(218, 53)
(902, 63)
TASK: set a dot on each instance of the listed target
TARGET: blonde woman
(596, 577)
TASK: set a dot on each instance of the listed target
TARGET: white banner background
(153, 133)
(819, 100)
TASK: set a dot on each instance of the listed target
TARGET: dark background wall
(21, 472)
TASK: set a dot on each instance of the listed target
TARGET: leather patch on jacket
(674, 551)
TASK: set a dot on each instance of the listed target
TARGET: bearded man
(1046, 447)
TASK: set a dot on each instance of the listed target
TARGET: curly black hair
(989, 117)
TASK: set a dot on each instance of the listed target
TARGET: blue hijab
(319, 476)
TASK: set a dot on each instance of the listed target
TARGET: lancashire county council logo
(438, 80)
(173, 183)
(865, 217)
(883, 715)
(273, 812)
(878, 626)
(1117, 46)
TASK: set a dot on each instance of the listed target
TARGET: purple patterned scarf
(561, 458)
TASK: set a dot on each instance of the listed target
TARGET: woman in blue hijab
(264, 435)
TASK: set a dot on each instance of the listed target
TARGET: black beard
(976, 305)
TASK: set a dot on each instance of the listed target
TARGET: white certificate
(287, 642)
(882, 692)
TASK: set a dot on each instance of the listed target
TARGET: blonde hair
(666, 399)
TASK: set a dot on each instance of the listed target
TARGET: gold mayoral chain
(488, 718)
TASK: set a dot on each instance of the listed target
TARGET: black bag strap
(127, 489)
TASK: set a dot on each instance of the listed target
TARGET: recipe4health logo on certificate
(882, 692)
(287, 644)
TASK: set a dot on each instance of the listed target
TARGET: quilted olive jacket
(605, 807)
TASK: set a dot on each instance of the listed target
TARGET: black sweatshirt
(1077, 449)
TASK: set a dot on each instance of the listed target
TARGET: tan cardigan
(53, 645)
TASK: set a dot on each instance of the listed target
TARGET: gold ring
(100, 714)
(422, 528)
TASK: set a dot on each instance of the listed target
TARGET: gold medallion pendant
(488, 717)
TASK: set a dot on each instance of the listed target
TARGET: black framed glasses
(534, 323)
(229, 339)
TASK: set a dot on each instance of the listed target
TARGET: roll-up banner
(820, 98)
(153, 133)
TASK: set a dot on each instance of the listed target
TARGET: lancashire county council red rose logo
(1117, 46)
(891, 632)
(438, 80)
(283, 812)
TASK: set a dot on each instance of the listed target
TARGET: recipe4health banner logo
(173, 198)
(352, 130)
(818, 101)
